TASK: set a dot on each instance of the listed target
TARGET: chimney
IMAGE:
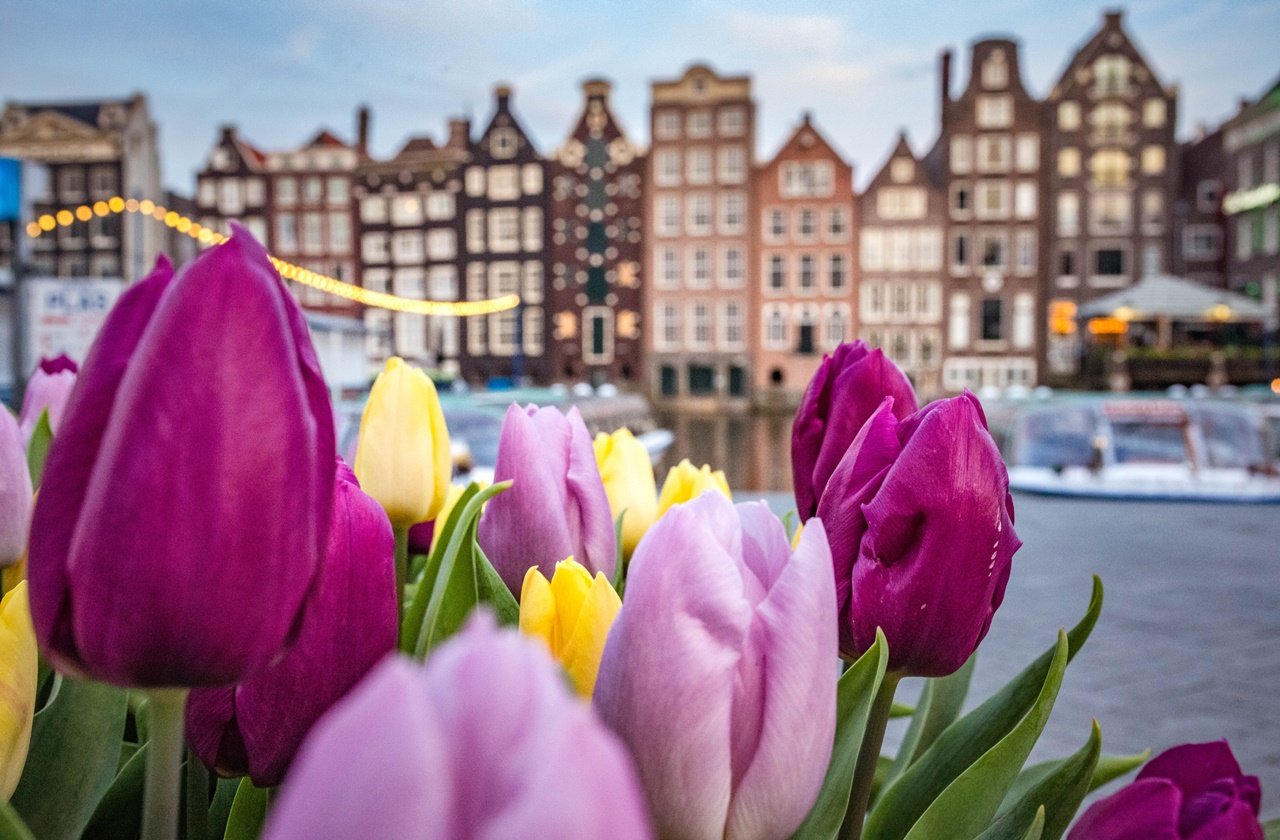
(944, 82)
(362, 130)
(806, 117)
(1112, 18)
(597, 89)
(227, 132)
(459, 133)
(502, 93)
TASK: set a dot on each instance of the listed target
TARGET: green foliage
(11, 825)
(38, 448)
(1056, 795)
(248, 812)
(855, 694)
(940, 704)
(619, 582)
(119, 812)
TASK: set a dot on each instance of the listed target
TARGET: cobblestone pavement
(1188, 645)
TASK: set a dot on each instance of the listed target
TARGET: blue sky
(281, 70)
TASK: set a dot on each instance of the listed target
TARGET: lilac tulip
(556, 507)
(47, 390)
(15, 491)
(921, 526)
(720, 671)
(848, 387)
(1190, 792)
(484, 741)
(348, 625)
(187, 495)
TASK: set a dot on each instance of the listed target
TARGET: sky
(280, 71)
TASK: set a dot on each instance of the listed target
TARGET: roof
(1163, 296)
(326, 138)
(85, 112)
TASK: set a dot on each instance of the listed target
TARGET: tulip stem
(402, 569)
(868, 757)
(164, 763)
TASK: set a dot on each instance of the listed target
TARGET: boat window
(1230, 440)
(1062, 438)
(1147, 442)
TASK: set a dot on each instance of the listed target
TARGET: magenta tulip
(15, 491)
(848, 387)
(1190, 792)
(187, 495)
(921, 526)
(486, 740)
(720, 671)
(47, 390)
(556, 507)
(348, 625)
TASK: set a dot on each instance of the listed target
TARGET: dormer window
(502, 143)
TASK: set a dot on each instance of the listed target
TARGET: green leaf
(493, 589)
(119, 812)
(969, 802)
(939, 706)
(1058, 794)
(1271, 829)
(901, 710)
(38, 448)
(964, 742)
(1036, 828)
(619, 582)
(1109, 767)
(855, 694)
(224, 795)
(75, 751)
(456, 588)
(248, 812)
(422, 583)
(11, 825)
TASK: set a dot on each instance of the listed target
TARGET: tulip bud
(18, 665)
(921, 527)
(627, 473)
(48, 390)
(484, 740)
(720, 672)
(187, 495)
(1190, 792)
(848, 386)
(348, 624)
(402, 457)
(15, 492)
(572, 613)
(556, 506)
(685, 482)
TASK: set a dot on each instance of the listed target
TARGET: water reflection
(754, 450)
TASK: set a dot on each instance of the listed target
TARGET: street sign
(63, 315)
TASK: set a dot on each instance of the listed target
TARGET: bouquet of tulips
(213, 628)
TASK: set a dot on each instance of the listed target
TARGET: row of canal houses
(695, 271)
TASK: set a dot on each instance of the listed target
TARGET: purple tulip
(848, 387)
(484, 741)
(921, 526)
(186, 499)
(15, 491)
(556, 507)
(720, 671)
(348, 624)
(1190, 792)
(47, 390)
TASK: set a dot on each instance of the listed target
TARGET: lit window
(666, 125)
(1111, 75)
(1068, 162)
(995, 71)
(698, 168)
(1069, 116)
(1153, 160)
(961, 154)
(995, 111)
(1154, 113)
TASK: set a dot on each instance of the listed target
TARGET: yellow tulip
(572, 613)
(17, 685)
(402, 456)
(450, 501)
(627, 472)
(685, 482)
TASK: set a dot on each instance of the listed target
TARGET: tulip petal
(597, 537)
(15, 492)
(18, 667)
(585, 643)
(1144, 810)
(1193, 767)
(627, 473)
(538, 608)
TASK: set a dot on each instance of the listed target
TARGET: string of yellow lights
(296, 273)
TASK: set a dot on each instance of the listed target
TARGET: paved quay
(1188, 644)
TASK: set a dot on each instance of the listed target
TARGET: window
(929, 249)
(1152, 211)
(872, 301)
(1025, 251)
(1110, 213)
(230, 198)
(991, 320)
(1068, 214)
(777, 226)
(777, 274)
(103, 184)
(732, 213)
(504, 230)
(994, 250)
(531, 223)
(1027, 153)
(666, 125)
(993, 199)
(1069, 116)
(837, 224)
(775, 326)
(1110, 122)
(698, 166)
(1271, 231)
(961, 201)
(958, 327)
(442, 282)
(732, 329)
(668, 260)
(208, 192)
(700, 325)
(313, 189)
(960, 251)
(732, 268)
(900, 300)
(406, 211)
(442, 244)
(286, 232)
(1202, 242)
(961, 154)
(806, 225)
(409, 283)
(406, 246)
(995, 71)
(1271, 162)
(1067, 264)
(808, 280)
(1111, 75)
(373, 209)
(504, 183)
(337, 190)
(901, 203)
(800, 180)
(1154, 113)
(440, 206)
(71, 182)
(995, 111)
(667, 168)
(1068, 162)
(900, 248)
(732, 165)
(531, 178)
(475, 181)
(1024, 315)
(699, 268)
(872, 248)
(373, 247)
(255, 192)
(837, 274)
(502, 143)
(1024, 200)
(668, 215)
(733, 122)
(699, 221)
(1244, 171)
(339, 232)
(475, 231)
(994, 154)
(1244, 237)
(1153, 160)
(1151, 259)
(376, 279)
(1108, 262)
(669, 325)
(837, 325)
(699, 124)
(1110, 168)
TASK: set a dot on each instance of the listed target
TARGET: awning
(1176, 298)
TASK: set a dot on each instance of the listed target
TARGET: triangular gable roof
(1087, 52)
(326, 139)
(793, 141)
